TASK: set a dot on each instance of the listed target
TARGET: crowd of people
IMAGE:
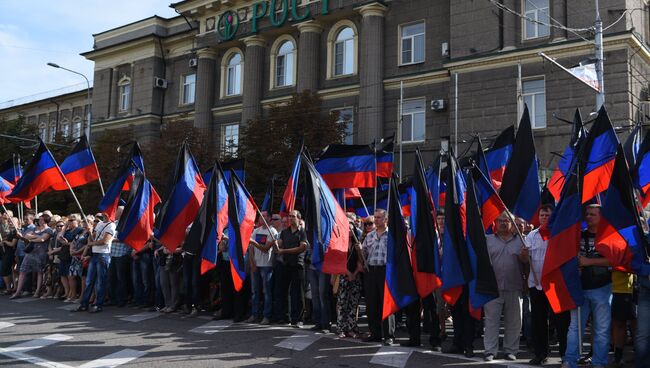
(80, 260)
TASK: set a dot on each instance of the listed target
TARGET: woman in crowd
(170, 277)
(349, 290)
(9, 245)
(50, 275)
(36, 257)
(77, 250)
(65, 239)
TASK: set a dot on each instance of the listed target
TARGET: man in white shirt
(262, 268)
(100, 243)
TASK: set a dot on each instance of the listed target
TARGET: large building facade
(455, 65)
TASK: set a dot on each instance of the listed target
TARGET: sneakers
(389, 341)
(194, 312)
(538, 360)
(297, 325)
(488, 357)
(511, 357)
(265, 321)
(95, 309)
(251, 319)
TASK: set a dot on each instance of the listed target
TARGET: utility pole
(600, 97)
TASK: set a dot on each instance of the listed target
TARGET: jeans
(97, 275)
(142, 268)
(118, 276)
(320, 299)
(170, 280)
(261, 284)
(642, 341)
(597, 303)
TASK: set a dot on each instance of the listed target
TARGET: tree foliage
(269, 144)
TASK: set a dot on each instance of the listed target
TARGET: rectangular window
(77, 129)
(412, 42)
(413, 120)
(125, 97)
(189, 89)
(537, 19)
(230, 139)
(66, 130)
(346, 116)
(344, 57)
(234, 80)
(280, 70)
(52, 132)
(534, 94)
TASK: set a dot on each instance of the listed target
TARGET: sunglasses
(368, 223)
(275, 219)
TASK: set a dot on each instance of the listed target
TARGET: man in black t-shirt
(292, 245)
(596, 283)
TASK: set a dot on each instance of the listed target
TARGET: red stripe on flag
(490, 210)
(556, 291)
(206, 266)
(80, 177)
(496, 176)
(176, 231)
(336, 255)
(555, 184)
(350, 180)
(450, 296)
(646, 197)
(425, 282)
(597, 180)
(611, 245)
(236, 280)
(384, 169)
(390, 306)
(475, 313)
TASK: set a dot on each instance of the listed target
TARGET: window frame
(524, 36)
(225, 68)
(401, 117)
(273, 65)
(331, 49)
(350, 122)
(183, 95)
(77, 123)
(401, 38)
(124, 104)
(532, 109)
(225, 148)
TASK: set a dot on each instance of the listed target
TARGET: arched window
(342, 49)
(234, 74)
(125, 94)
(285, 64)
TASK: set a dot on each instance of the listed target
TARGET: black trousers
(413, 321)
(191, 274)
(431, 314)
(118, 278)
(227, 289)
(540, 309)
(374, 293)
(464, 324)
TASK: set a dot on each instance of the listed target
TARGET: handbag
(29, 248)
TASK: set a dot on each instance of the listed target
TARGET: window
(344, 52)
(413, 121)
(125, 97)
(52, 131)
(537, 10)
(233, 75)
(65, 129)
(346, 116)
(534, 94)
(412, 46)
(284, 65)
(76, 129)
(230, 139)
(42, 132)
(189, 88)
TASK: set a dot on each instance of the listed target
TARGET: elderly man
(504, 249)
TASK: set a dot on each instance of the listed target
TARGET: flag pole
(99, 176)
(374, 145)
(36, 203)
(83, 214)
(364, 205)
(266, 224)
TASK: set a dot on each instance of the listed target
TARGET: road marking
(26, 299)
(69, 307)
(37, 343)
(6, 324)
(141, 317)
(212, 327)
(115, 359)
(392, 356)
(299, 341)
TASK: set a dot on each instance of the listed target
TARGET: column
(115, 98)
(371, 69)
(510, 25)
(133, 92)
(558, 12)
(308, 49)
(253, 64)
(205, 79)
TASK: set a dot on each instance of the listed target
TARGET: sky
(35, 32)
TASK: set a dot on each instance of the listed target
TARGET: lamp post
(89, 113)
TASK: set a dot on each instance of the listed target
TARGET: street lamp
(89, 114)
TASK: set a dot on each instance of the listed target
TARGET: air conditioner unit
(194, 62)
(160, 82)
(438, 105)
(444, 49)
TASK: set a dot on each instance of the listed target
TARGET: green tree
(269, 144)
(17, 128)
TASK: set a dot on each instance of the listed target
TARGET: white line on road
(25, 299)
(212, 327)
(69, 307)
(141, 317)
(6, 324)
(115, 359)
(299, 341)
(392, 356)
(37, 343)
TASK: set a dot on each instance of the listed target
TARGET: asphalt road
(44, 333)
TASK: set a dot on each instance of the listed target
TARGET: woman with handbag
(36, 255)
(76, 260)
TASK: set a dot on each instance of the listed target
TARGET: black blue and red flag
(619, 229)
(79, 167)
(556, 182)
(348, 166)
(425, 258)
(499, 155)
(42, 173)
(641, 171)
(488, 199)
(137, 222)
(632, 144)
(183, 202)
(267, 203)
(560, 278)
(5, 189)
(385, 153)
(399, 287)
(598, 156)
(207, 228)
(456, 267)
(10, 170)
(238, 165)
(483, 287)
(434, 181)
(291, 190)
(520, 188)
(327, 227)
(122, 182)
(241, 222)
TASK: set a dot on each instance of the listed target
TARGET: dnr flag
(136, 224)
(556, 182)
(241, 221)
(79, 167)
(10, 170)
(41, 174)
(122, 181)
(597, 161)
(347, 166)
(291, 190)
(499, 155)
(385, 157)
(641, 171)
